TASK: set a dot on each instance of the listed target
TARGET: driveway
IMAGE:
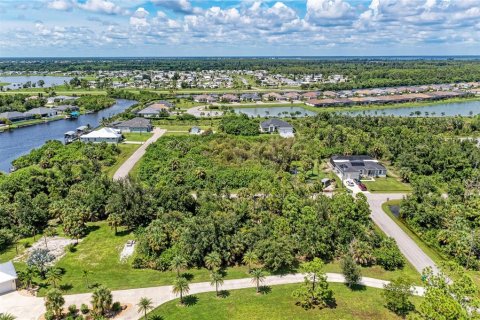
(31, 308)
(419, 259)
(128, 165)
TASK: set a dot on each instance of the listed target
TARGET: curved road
(414, 254)
(31, 308)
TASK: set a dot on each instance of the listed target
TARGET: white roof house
(108, 135)
(8, 277)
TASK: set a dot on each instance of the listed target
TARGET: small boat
(70, 136)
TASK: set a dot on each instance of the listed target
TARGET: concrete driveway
(419, 259)
(128, 165)
(31, 308)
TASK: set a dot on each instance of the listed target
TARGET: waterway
(281, 112)
(466, 108)
(16, 82)
(20, 141)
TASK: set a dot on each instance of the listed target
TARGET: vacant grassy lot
(137, 136)
(126, 150)
(388, 184)
(279, 304)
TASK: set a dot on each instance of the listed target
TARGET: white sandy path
(30, 308)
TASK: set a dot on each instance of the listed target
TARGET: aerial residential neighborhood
(274, 160)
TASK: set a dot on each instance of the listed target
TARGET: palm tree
(145, 305)
(258, 276)
(6, 316)
(54, 302)
(180, 286)
(85, 274)
(178, 262)
(114, 221)
(250, 258)
(213, 260)
(101, 300)
(54, 275)
(217, 279)
(26, 277)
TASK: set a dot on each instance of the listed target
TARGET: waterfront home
(66, 108)
(134, 125)
(52, 100)
(292, 96)
(42, 112)
(273, 96)
(8, 277)
(108, 135)
(250, 97)
(204, 98)
(273, 125)
(229, 98)
(357, 167)
(14, 116)
(310, 95)
(154, 110)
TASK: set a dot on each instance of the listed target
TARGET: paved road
(30, 308)
(128, 165)
(419, 259)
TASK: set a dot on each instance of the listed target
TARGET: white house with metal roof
(108, 135)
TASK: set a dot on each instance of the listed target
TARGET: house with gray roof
(134, 125)
(273, 125)
(357, 167)
(42, 112)
(14, 116)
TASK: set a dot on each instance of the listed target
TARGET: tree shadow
(66, 287)
(94, 285)
(188, 276)
(332, 303)
(91, 228)
(190, 300)
(223, 294)
(357, 287)
(122, 233)
(264, 289)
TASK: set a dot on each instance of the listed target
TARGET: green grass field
(137, 136)
(126, 150)
(366, 303)
(99, 253)
(388, 184)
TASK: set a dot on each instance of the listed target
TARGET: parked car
(350, 183)
(362, 187)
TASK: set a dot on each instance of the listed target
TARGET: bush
(49, 315)
(239, 125)
(72, 309)
(6, 238)
(389, 256)
(139, 263)
(116, 307)
(84, 308)
(71, 247)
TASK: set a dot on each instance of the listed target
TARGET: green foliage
(351, 271)
(94, 102)
(315, 292)
(19, 102)
(388, 255)
(239, 125)
(397, 295)
(180, 287)
(84, 309)
(101, 300)
(54, 302)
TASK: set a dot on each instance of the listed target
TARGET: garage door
(5, 287)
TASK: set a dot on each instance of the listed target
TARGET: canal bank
(15, 143)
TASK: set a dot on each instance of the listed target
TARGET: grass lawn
(366, 303)
(184, 128)
(388, 184)
(126, 150)
(137, 136)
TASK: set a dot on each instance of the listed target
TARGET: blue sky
(248, 27)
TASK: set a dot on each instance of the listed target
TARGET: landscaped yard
(388, 184)
(137, 136)
(366, 303)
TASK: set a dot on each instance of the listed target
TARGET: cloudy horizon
(89, 28)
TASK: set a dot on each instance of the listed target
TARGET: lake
(281, 112)
(16, 82)
(438, 110)
(20, 141)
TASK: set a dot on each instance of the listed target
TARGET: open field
(388, 185)
(137, 136)
(278, 303)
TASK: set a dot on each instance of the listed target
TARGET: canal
(17, 142)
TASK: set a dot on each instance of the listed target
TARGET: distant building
(154, 110)
(66, 108)
(8, 277)
(357, 167)
(134, 125)
(14, 116)
(42, 112)
(195, 130)
(108, 135)
(250, 97)
(273, 125)
(204, 98)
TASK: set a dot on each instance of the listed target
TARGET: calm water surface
(16, 82)
(445, 109)
(17, 142)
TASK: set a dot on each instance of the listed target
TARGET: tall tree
(213, 261)
(144, 305)
(54, 302)
(397, 295)
(351, 271)
(101, 300)
(216, 280)
(250, 258)
(258, 276)
(180, 287)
